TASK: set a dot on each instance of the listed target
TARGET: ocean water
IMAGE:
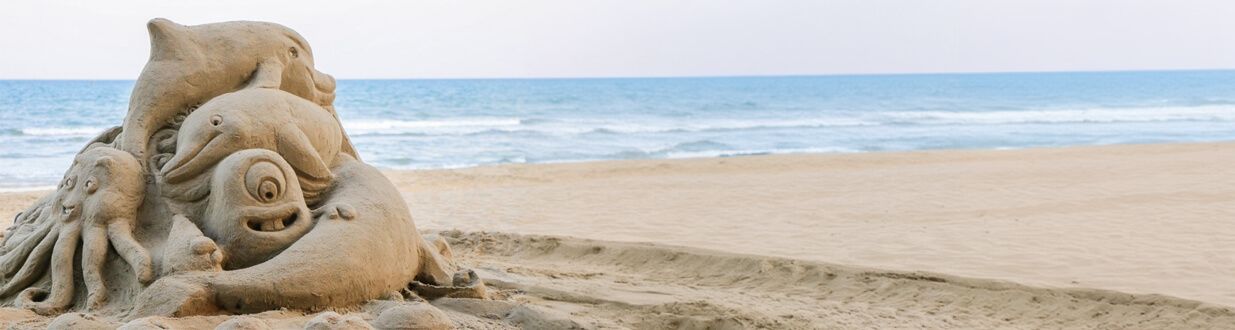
(458, 123)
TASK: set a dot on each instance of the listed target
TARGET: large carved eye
(267, 190)
(68, 183)
(216, 120)
(91, 186)
(264, 182)
(295, 53)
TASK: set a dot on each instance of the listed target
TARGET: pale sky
(89, 39)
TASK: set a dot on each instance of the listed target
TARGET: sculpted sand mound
(229, 188)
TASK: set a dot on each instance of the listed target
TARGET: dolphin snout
(190, 162)
(324, 82)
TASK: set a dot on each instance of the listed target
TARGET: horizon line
(722, 76)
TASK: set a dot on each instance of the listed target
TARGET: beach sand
(1132, 236)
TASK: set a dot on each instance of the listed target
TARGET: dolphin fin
(269, 74)
(169, 39)
(295, 147)
(346, 147)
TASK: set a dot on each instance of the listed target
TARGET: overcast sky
(83, 39)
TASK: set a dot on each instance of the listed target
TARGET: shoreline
(1130, 218)
(737, 155)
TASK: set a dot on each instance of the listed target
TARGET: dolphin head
(299, 75)
(209, 134)
(302, 74)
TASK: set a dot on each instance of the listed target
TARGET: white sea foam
(25, 189)
(63, 131)
(1221, 113)
(753, 152)
(703, 125)
(565, 127)
(370, 125)
(652, 125)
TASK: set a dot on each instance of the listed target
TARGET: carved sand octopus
(254, 198)
(95, 203)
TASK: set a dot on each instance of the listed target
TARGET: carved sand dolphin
(189, 65)
(306, 136)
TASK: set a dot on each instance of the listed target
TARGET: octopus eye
(295, 53)
(264, 182)
(91, 186)
(216, 120)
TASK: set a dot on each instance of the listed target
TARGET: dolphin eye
(216, 120)
(295, 53)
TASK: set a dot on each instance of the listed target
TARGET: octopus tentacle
(93, 256)
(35, 210)
(121, 233)
(30, 296)
(61, 295)
(14, 259)
(24, 219)
(25, 216)
(35, 264)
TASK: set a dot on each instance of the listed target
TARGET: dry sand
(1138, 218)
(951, 239)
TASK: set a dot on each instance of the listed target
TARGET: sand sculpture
(190, 65)
(95, 203)
(259, 118)
(230, 187)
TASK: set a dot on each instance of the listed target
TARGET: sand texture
(1135, 218)
(1108, 237)
(543, 282)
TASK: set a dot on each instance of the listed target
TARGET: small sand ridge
(557, 282)
(612, 284)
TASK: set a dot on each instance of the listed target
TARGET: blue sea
(418, 124)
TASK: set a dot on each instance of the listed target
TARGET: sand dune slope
(633, 285)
